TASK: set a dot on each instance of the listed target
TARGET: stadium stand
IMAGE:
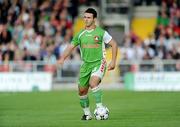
(149, 39)
(35, 28)
(39, 30)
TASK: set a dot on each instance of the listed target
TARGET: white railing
(70, 70)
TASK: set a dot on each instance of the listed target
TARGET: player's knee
(93, 84)
(94, 81)
(82, 92)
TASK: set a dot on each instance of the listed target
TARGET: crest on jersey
(96, 38)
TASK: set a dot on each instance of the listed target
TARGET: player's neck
(91, 27)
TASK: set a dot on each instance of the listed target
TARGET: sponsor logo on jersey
(90, 45)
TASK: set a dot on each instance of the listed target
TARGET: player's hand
(111, 66)
(60, 62)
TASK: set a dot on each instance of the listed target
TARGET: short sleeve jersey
(92, 43)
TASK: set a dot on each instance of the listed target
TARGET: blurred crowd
(36, 29)
(41, 29)
(164, 43)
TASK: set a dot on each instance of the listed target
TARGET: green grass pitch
(62, 109)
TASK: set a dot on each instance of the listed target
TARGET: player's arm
(69, 49)
(107, 38)
(114, 46)
(66, 53)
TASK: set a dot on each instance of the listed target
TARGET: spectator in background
(49, 57)
(163, 19)
(5, 35)
(5, 39)
(138, 50)
(27, 56)
(176, 22)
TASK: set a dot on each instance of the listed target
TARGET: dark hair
(92, 11)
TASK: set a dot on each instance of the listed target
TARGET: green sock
(84, 101)
(97, 94)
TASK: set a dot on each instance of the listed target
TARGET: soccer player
(91, 40)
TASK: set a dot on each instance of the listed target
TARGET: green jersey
(92, 43)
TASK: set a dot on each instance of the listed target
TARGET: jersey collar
(89, 31)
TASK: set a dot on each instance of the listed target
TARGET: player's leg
(84, 100)
(96, 77)
(97, 93)
(83, 87)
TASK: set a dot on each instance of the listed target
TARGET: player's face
(88, 19)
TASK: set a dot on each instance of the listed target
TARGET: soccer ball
(101, 113)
